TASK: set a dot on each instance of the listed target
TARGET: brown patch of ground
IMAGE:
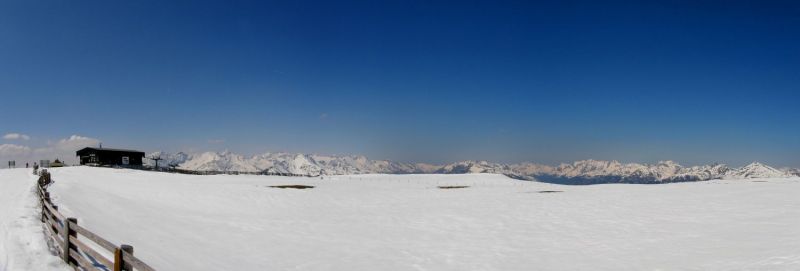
(453, 187)
(292, 186)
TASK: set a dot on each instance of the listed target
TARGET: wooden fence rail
(71, 241)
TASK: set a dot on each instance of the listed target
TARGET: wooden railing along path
(70, 239)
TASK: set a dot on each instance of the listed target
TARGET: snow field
(404, 222)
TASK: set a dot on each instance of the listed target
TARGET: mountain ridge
(578, 172)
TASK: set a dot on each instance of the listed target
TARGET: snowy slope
(403, 222)
(22, 243)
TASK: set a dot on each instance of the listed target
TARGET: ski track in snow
(22, 242)
(403, 222)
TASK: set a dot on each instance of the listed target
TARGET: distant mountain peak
(757, 170)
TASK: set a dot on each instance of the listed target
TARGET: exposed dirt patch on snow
(452, 186)
(292, 186)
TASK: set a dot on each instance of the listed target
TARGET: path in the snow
(22, 243)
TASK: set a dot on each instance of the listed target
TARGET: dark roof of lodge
(108, 150)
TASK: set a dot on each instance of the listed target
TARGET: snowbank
(22, 243)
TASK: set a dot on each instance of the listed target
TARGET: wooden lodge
(110, 157)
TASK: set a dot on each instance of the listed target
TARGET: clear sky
(690, 81)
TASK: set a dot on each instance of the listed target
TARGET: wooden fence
(71, 241)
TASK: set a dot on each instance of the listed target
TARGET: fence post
(119, 262)
(125, 265)
(118, 259)
(67, 232)
(55, 219)
(44, 208)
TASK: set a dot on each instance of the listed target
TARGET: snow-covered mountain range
(792, 171)
(593, 172)
(579, 172)
(291, 163)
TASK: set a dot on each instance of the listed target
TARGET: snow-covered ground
(404, 222)
(22, 243)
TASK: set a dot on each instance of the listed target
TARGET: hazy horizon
(64, 149)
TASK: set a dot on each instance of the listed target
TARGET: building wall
(111, 158)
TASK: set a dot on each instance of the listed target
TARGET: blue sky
(691, 81)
